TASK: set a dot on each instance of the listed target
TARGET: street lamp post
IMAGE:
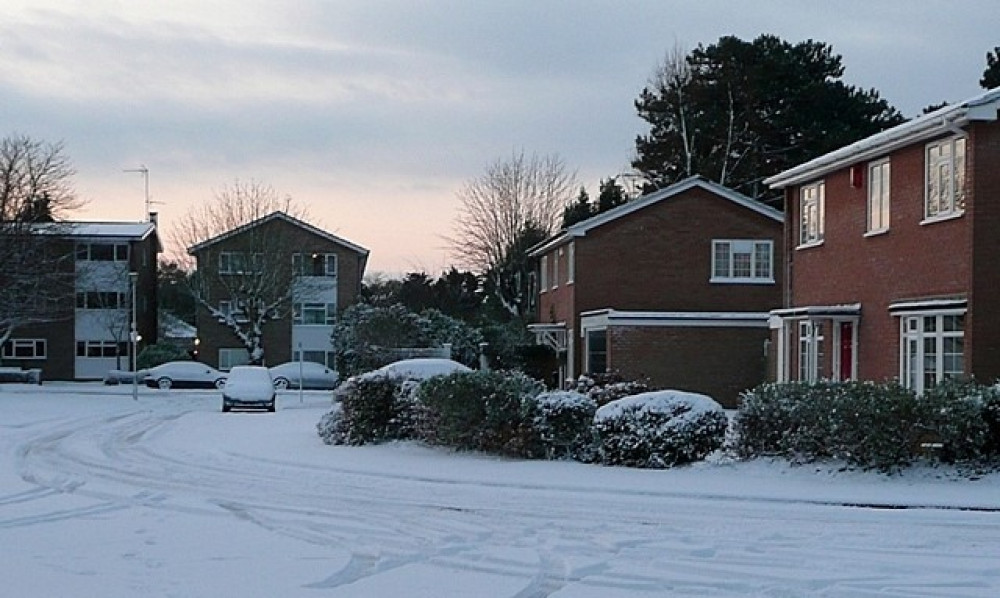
(133, 278)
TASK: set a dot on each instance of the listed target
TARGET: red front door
(846, 350)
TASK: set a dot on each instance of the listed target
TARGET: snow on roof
(614, 317)
(174, 327)
(279, 216)
(949, 118)
(580, 229)
(844, 309)
(130, 230)
(929, 304)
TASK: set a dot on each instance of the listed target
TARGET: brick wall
(718, 362)
(983, 321)
(659, 258)
(910, 261)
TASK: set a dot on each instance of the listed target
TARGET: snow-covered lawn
(101, 496)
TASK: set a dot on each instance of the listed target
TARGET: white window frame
(742, 246)
(330, 264)
(912, 350)
(571, 264)
(946, 174)
(543, 273)
(555, 268)
(329, 311)
(589, 353)
(811, 350)
(39, 348)
(104, 348)
(812, 218)
(231, 357)
(879, 194)
(236, 262)
(119, 252)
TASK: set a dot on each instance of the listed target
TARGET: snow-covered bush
(604, 388)
(561, 422)
(870, 425)
(659, 429)
(991, 415)
(372, 408)
(480, 410)
(953, 414)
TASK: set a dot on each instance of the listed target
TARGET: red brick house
(93, 332)
(674, 286)
(892, 254)
(309, 275)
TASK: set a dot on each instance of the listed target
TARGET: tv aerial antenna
(145, 179)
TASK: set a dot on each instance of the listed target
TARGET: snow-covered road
(102, 496)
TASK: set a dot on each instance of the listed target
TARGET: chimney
(154, 217)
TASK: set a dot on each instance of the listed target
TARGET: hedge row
(880, 426)
(508, 413)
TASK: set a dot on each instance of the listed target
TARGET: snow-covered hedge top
(667, 402)
(419, 369)
(564, 399)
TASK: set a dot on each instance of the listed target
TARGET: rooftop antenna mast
(145, 178)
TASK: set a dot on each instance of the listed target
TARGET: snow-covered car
(314, 376)
(420, 368)
(184, 374)
(248, 386)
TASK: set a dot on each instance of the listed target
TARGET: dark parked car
(184, 374)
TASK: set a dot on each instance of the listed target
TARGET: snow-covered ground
(101, 496)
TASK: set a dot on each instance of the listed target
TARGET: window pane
(331, 264)
(721, 260)
(100, 252)
(597, 351)
(954, 323)
(762, 260)
(742, 265)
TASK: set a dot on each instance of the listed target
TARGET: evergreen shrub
(659, 429)
(871, 425)
(481, 410)
(562, 425)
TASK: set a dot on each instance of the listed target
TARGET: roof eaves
(981, 107)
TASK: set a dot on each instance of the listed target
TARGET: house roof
(581, 228)
(982, 107)
(278, 216)
(134, 231)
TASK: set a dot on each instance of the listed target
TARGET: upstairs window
(811, 206)
(314, 314)
(543, 269)
(102, 300)
(742, 260)
(24, 348)
(945, 192)
(102, 252)
(239, 262)
(878, 197)
(314, 264)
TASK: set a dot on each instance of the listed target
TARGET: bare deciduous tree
(36, 273)
(514, 195)
(252, 284)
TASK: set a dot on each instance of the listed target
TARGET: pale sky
(373, 113)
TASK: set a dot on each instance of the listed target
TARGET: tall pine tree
(737, 112)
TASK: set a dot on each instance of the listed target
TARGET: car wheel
(281, 384)
(220, 383)
(225, 407)
(164, 383)
(271, 407)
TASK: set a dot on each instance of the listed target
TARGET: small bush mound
(561, 423)
(659, 429)
(482, 411)
(372, 409)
